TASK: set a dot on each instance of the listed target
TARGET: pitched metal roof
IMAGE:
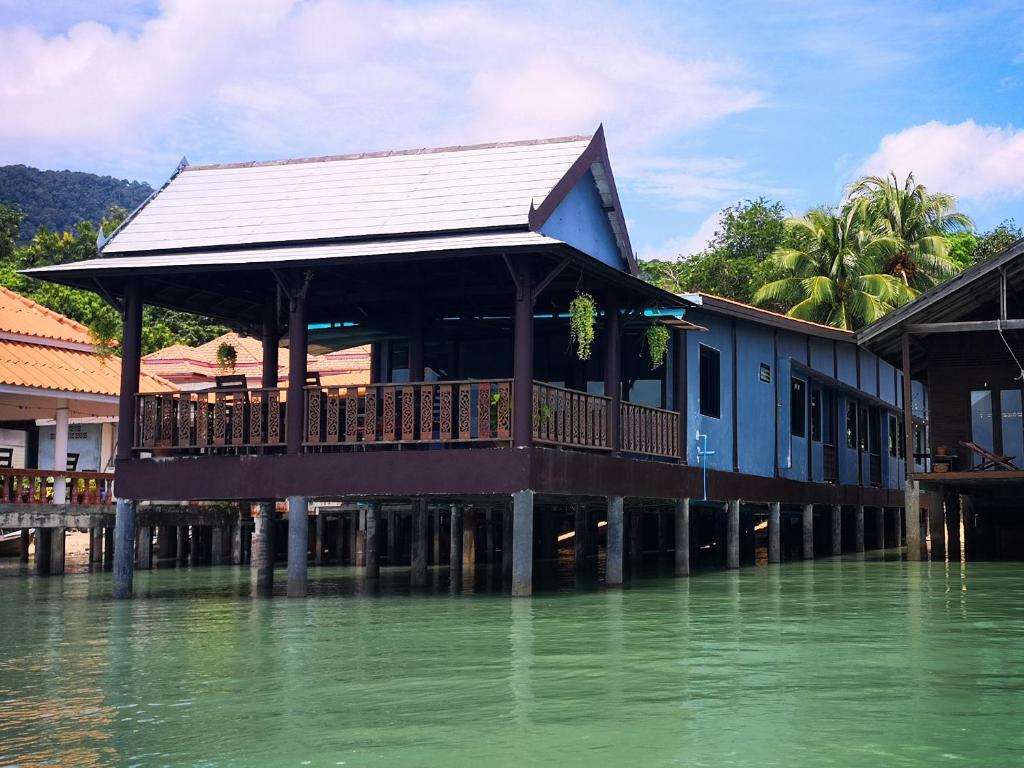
(350, 196)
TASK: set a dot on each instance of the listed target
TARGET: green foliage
(227, 356)
(160, 327)
(967, 248)
(657, 344)
(737, 260)
(59, 200)
(582, 313)
(834, 269)
(917, 223)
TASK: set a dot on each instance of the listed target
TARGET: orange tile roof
(25, 317)
(67, 370)
(198, 364)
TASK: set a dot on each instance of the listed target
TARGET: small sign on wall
(765, 374)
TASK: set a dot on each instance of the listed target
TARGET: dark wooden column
(297, 346)
(522, 387)
(131, 357)
(131, 361)
(613, 371)
(908, 409)
(680, 391)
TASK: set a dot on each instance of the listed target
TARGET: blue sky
(703, 103)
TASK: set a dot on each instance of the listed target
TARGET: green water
(847, 662)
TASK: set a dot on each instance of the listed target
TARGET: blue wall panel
(887, 381)
(848, 474)
(797, 467)
(822, 356)
(793, 345)
(847, 354)
(580, 220)
(756, 403)
(868, 372)
(719, 431)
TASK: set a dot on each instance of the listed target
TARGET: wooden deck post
(613, 554)
(298, 342)
(108, 546)
(682, 544)
(912, 518)
(837, 529)
(320, 543)
(262, 558)
(372, 541)
(217, 545)
(131, 361)
(880, 528)
(859, 527)
(613, 372)
(733, 535)
(418, 563)
(57, 541)
(44, 545)
(808, 532)
(775, 532)
(522, 543)
(469, 524)
(455, 547)
(23, 544)
(298, 541)
(183, 545)
(522, 386)
(937, 530)
(144, 547)
(680, 391)
(952, 505)
(581, 524)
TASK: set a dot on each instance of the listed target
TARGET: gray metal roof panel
(357, 196)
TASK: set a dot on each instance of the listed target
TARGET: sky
(704, 104)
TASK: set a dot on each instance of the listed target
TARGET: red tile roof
(25, 317)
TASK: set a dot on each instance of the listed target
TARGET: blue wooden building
(458, 266)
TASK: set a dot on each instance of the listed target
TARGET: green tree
(737, 260)
(832, 266)
(919, 224)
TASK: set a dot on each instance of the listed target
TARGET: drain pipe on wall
(703, 453)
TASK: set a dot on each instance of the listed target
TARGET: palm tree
(918, 221)
(832, 265)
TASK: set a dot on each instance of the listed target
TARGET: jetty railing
(649, 431)
(418, 412)
(570, 418)
(36, 486)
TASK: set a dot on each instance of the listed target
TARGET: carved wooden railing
(649, 431)
(35, 486)
(212, 419)
(421, 412)
(569, 418)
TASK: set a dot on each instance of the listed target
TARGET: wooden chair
(6, 458)
(990, 460)
(72, 464)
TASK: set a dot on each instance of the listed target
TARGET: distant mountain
(58, 200)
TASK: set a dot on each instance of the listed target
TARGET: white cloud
(237, 79)
(683, 247)
(978, 162)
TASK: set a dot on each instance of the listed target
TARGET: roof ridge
(389, 153)
(773, 313)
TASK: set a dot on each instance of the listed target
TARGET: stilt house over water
(459, 266)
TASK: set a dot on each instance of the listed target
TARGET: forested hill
(58, 200)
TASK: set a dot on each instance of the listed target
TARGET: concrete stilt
(613, 554)
(912, 513)
(124, 548)
(217, 545)
(57, 539)
(969, 543)
(506, 542)
(489, 545)
(95, 546)
(880, 528)
(360, 548)
(522, 543)
(165, 541)
(298, 545)
(144, 548)
(808, 532)
(455, 545)
(468, 537)
(732, 546)
(24, 540)
(372, 542)
(108, 546)
(339, 540)
(953, 525)
(44, 545)
(682, 537)
(262, 560)
(937, 531)
(775, 532)
(319, 540)
(183, 544)
(581, 524)
(418, 574)
(236, 542)
(195, 545)
(837, 529)
(435, 537)
(859, 527)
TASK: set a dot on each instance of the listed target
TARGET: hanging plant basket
(582, 313)
(657, 344)
(227, 357)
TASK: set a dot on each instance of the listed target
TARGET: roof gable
(353, 196)
(581, 221)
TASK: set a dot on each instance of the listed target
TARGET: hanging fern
(657, 344)
(227, 356)
(582, 313)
